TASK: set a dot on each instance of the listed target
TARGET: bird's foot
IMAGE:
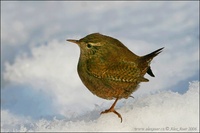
(112, 110)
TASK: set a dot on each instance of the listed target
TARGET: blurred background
(38, 67)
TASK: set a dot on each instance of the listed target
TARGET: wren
(109, 69)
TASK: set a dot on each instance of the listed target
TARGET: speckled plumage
(109, 69)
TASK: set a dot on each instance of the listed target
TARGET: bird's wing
(119, 72)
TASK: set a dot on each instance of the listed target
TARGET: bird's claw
(114, 111)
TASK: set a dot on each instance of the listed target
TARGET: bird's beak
(71, 40)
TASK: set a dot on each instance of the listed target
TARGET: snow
(163, 111)
(40, 87)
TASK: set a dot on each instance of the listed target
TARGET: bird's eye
(89, 45)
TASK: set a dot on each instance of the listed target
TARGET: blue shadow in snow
(23, 100)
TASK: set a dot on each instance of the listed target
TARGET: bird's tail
(150, 56)
(147, 59)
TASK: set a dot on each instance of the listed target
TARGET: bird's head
(97, 43)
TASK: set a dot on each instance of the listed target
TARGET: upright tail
(150, 56)
(147, 59)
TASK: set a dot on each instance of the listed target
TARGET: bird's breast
(97, 79)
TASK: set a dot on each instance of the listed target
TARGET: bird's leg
(111, 109)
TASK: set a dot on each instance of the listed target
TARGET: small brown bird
(109, 69)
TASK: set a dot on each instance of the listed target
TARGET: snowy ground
(40, 87)
(163, 111)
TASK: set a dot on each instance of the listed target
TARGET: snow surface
(40, 87)
(163, 111)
